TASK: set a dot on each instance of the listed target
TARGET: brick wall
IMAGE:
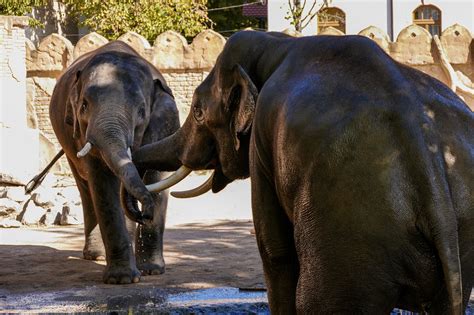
(183, 85)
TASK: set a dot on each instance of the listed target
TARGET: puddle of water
(217, 295)
(223, 300)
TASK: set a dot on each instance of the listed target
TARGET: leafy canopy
(149, 18)
(112, 18)
(22, 7)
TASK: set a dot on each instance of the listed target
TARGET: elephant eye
(84, 106)
(198, 113)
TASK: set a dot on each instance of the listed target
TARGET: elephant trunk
(120, 163)
(163, 155)
(113, 139)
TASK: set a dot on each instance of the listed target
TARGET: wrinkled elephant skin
(362, 172)
(104, 106)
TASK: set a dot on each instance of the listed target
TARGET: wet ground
(213, 266)
(204, 301)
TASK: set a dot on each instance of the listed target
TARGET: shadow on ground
(43, 272)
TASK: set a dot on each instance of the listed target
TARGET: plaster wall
(360, 13)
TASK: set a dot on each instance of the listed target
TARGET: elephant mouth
(216, 182)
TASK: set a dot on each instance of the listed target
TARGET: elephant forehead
(104, 74)
(108, 73)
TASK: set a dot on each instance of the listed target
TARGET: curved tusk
(173, 179)
(84, 150)
(129, 152)
(204, 188)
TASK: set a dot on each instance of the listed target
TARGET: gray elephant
(104, 106)
(362, 172)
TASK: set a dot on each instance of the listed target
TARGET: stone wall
(183, 66)
(449, 58)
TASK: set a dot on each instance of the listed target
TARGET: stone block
(54, 53)
(9, 223)
(89, 43)
(32, 214)
(44, 197)
(9, 207)
(378, 36)
(137, 42)
(71, 215)
(413, 46)
(52, 216)
(168, 50)
(17, 194)
(456, 41)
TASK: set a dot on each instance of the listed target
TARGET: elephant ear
(161, 84)
(71, 115)
(241, 102)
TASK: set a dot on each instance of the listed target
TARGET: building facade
(391, 16)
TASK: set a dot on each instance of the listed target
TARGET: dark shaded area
(230, 20)
(41, 278)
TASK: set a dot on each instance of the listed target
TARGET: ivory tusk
(173, 179)
(204, 188)
(129, 152)
(84, 150)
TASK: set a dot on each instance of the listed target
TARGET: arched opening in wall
(428, 17)
(331, 17)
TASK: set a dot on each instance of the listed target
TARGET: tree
(230, 20)
(149, 18)
(112, 18)
(300, 15)
(22, 7)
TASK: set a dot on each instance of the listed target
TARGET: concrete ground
(212, 267)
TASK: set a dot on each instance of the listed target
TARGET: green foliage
(149, 18)
(22, 7)
(230, 20)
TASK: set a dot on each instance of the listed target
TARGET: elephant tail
(447, 246)
(38, 179)
(442, 229)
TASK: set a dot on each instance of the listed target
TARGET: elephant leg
(274, 233)
(121, 266)
(93, 245)
(149, 237)
(339, 290)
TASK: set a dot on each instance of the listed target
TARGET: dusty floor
(208, 244)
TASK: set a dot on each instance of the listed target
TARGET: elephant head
(215, 135)
(109, 108)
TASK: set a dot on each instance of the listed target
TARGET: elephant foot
(151, 269)
(121, 275)
(94, 252)
(151, 266)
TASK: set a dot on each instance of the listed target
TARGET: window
(428, 17)
(334, 17)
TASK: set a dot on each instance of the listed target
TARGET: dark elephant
(105, 105)
(362, 172)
